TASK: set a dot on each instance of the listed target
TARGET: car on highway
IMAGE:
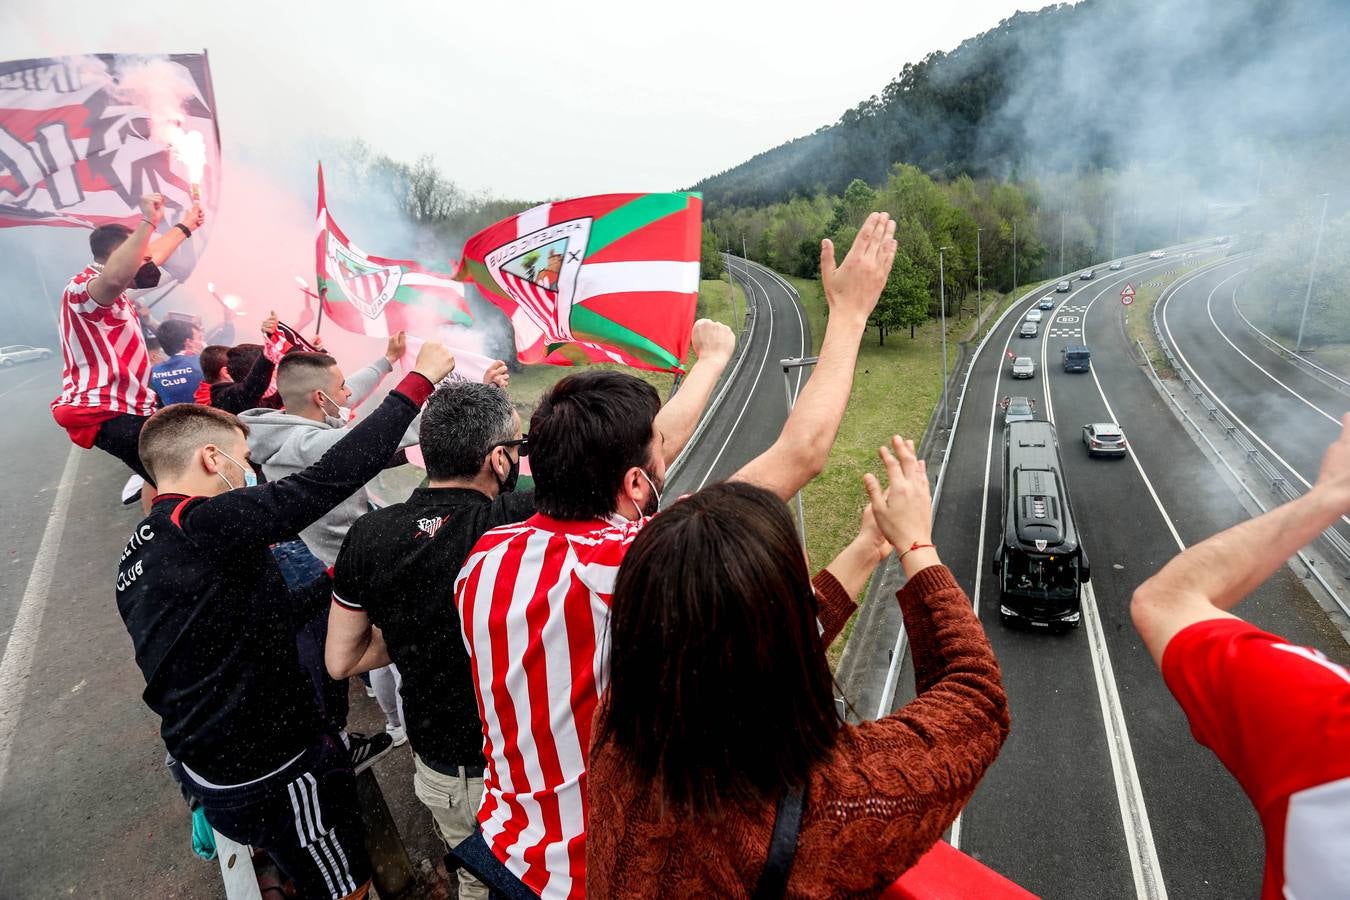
(1117, 265)
(1029, 329)
(1018, 409)
(1157, 254)
(1104, 439)
(1088, 275)
(1063, 287)
(1023, 367)
(17, 353)
(1076, 357)
(1034, 315)
(1047, 302)
(1221, 239)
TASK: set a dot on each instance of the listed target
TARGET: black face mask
(508, 484)
(147, 276)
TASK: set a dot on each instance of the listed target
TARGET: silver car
(1116, 266)
(1063, 287)
(17, 353)
(1104, 439)
(1023, 367)
(1034, 315)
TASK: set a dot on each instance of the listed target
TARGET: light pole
(1113, 234)
(979, 280)
(1312, 270)
(788, 365)
(1014, 287)
(942, 300)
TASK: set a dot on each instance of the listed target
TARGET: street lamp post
(942, 301)
(1312, 270)
(1014, 287)
(1113, 234)
(1061, 239)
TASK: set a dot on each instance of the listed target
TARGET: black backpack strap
(787, 824)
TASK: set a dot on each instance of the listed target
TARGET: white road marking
(18, 658)
(28, 380)
(1143, 853)
(1209, 309)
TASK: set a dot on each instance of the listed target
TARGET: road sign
(1127, 299)
(1127, 291)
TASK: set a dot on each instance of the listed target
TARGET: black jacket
(247, 394)
(211, 619)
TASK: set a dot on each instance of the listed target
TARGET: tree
(710, 255)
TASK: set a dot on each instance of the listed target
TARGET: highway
(749, 407)
(1100, 790)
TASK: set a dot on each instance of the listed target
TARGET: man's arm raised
(1207, 580)
(120, 269)
(851, 290)
(162, 247)
(713, 342)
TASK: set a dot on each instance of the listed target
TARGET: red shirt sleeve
(1241, 686)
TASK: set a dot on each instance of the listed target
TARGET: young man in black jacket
(213, 626)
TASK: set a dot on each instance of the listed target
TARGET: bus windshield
(1051, 577)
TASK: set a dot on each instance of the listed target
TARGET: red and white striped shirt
(107, 363)
(533, 601)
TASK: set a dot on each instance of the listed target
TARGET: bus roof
(1036, 500)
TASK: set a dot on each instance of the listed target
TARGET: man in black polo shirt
(396, 571)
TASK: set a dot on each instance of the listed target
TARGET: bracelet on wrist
(147, 221)
(187, 232)
(917, 546)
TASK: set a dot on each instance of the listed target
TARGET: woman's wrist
(915, 561)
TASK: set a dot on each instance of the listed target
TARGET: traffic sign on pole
(1127, 294)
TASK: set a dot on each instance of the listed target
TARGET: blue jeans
(300, 567)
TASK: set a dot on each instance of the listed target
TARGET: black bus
(1040, 565)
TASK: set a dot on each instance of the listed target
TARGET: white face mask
(655, 492)
(338, 420)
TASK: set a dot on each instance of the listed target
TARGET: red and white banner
(83, 137)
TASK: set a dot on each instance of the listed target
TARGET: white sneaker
(398, 733)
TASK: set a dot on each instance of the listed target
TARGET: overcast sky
(523, 100)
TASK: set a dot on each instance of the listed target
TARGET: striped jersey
(533, 601)
(107, 365)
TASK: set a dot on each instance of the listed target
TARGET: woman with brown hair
(719, 726)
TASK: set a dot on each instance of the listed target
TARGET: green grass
(1261, 309)
(1139, 326)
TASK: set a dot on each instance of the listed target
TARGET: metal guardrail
(1292, 355)
(1269, 472)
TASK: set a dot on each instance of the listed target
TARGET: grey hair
(461, 423)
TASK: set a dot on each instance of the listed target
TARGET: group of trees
(974, 225)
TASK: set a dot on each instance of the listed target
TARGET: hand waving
(853, 287)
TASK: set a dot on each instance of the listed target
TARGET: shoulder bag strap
(787, 823)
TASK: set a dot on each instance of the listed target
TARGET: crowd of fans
(600, 696)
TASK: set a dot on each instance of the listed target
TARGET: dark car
(1104, 439)
(1076, 357)
(1029, 329)
(1018, 409)
(1023, 367)
(1063, 287)
(1088, 275)
(1047, 302)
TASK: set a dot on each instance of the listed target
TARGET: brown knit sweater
(884, 795)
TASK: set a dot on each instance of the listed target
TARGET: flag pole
(323, 296)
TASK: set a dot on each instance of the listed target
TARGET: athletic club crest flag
(376, 296)
(612, 278)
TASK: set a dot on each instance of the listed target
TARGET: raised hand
(194, 217)
(269, 324)
(904, 510)
(152, 208)
(497, 374)
(853, 287)
(1333, 480)
(712, 340)
(435, 361)
(397, 346)
(870, 536)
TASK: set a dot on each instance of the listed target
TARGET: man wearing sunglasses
(393, 593)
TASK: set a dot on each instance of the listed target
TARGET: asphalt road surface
(1290, 414)
(751, 413)
(1100, 790)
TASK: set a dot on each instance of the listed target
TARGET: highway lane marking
(801, 323)
(29, 380)
(1215, 397)
(1143, 853)
(18, 658)
(768, 351)
(1209, 309)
